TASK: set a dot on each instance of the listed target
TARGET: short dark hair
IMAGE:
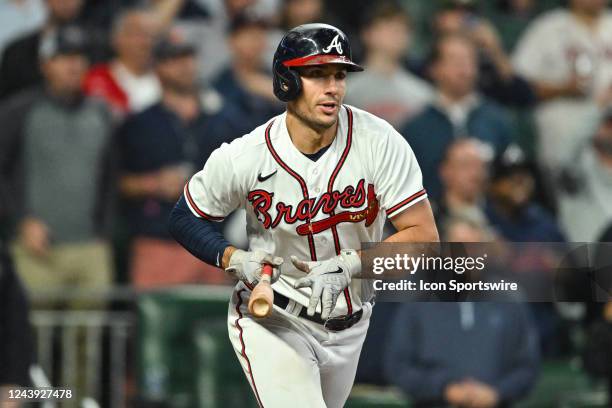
(385, 10)
(435, 52)
(245, 20)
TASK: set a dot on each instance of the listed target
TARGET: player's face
(323, 90)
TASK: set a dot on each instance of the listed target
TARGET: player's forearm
(416, 233)
(198, 236)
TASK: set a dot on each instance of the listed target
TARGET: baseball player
(315, 181)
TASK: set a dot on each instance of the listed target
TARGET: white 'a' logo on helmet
(334, 44)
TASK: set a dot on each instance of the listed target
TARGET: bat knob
(262, 296)
(260, 308)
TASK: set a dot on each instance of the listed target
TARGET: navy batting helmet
(308, 44)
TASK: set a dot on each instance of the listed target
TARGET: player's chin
(327, 119)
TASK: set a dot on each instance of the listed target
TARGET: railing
(87, 351)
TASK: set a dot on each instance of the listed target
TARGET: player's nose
(332, 85)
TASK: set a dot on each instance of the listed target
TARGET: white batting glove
(327, 279)
(247, 266)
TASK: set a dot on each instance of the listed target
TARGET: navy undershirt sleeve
(197, 235)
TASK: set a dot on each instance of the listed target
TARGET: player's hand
(327, 279)
(34, 236)
(247, 266)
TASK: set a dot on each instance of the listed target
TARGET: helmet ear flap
(287, 83)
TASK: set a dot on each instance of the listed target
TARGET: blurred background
(108, 106)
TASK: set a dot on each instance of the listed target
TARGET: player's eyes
(341, 75)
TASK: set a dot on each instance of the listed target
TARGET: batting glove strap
(248, 265)
(352, 261)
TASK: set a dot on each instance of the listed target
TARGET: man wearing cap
(52, 151)
(20, 69)
(158, 149)
(245, 85)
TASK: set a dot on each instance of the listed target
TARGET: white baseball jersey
(311, 209)
(553, 48)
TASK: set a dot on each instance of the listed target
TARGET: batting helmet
(308, 44)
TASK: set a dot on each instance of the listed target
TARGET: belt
(333, 324)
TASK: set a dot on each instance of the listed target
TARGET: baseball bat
(262, 297)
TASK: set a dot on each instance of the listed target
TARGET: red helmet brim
(322, 59)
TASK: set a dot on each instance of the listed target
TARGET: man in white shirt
(566, 54)
(128, 83)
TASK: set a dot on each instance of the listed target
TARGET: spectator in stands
(564, 54)
(511, 209)
(127, 83)
(496, 78)
(245, 86)
(212, 20)
(584, 182)
(492, 360)
(516, 217)
(464, 174)
(386, 88)
(16, 339)
(159, 148)
(457, 110)
(19, 68)
(59, 138)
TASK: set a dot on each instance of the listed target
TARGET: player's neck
(307, 138)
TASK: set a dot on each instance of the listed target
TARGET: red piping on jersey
(195, 207)
(313, 252)
(330, 186)
(243, 351)
(406, 201)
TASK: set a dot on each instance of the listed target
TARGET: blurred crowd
(108, 106)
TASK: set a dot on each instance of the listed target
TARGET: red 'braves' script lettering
(307, 209)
